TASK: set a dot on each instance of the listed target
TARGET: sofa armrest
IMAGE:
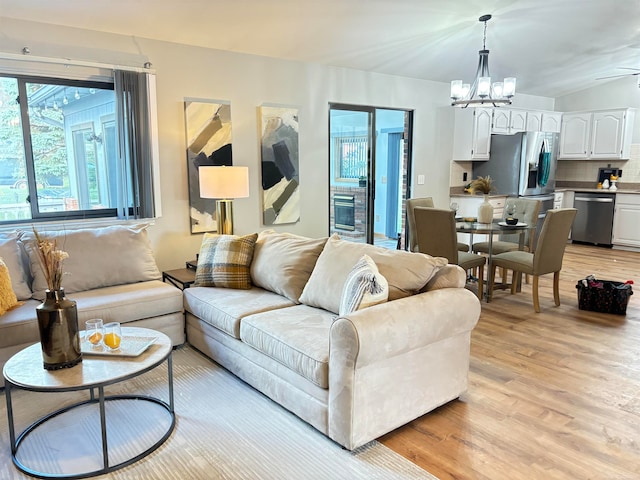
(393, 362)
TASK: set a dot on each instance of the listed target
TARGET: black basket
(604, 296)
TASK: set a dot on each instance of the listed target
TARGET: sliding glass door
(369, 152)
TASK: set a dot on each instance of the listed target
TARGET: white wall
(247, 82)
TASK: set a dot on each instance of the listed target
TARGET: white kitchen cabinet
(598, 135)
(575, 134)
(518, 121)
(468, 204)
(472, 134)
(468, 207)
(567, 198)
(543, 121)
(626, 220)
(501, 120)
(558, 198)
(609, 132)
(507, 121)
(534, 121)
(551, 122)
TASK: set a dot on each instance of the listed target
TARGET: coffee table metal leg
(170, 370)
(12, 431)
(103, 427)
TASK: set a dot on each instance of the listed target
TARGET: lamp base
(224, 217)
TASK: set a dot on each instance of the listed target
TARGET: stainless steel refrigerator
(523, 165)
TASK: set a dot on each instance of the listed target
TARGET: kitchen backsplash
(570, 170)
(587, 170)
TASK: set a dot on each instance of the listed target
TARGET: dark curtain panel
(134, 145)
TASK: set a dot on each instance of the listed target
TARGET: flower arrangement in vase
(485, 186)
(57, 315)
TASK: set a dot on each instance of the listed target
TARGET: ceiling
(553, 47)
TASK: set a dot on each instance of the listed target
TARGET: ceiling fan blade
(621, 75)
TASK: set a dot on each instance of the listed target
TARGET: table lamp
(224, 183)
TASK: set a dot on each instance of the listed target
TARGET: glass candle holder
(112, 335)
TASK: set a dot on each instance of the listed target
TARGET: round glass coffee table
(99, 434)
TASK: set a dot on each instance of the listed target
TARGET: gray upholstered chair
(426, 202)
(436, 236)
(547, 257)
(525, 210)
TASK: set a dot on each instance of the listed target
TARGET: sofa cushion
(283, 262)
(297, 337)
(128, 303)
(364, 287)
(98, 257)
(224, 308)
(19, 325)
(406, 272)
(225, 260)
(8, 298)
(12, 254)
(122, 303)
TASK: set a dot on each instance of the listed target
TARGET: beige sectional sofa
(354, 376)
(112, 275)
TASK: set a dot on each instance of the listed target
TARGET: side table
(180, 277)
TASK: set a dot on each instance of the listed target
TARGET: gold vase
(59, 336)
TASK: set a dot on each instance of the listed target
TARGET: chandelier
(482, 92)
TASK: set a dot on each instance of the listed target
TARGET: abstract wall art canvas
(208, 130)
(280, 174)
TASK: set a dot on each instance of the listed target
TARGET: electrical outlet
(464, 177)
(420, 179)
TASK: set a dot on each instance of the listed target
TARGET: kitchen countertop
(633, 188)
(597, 190)
(628, 187)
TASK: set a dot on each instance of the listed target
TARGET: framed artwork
(279, 165)
(208, 131)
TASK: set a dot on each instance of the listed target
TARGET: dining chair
(436, 236)
(525, 210)
(547, 257)
(426, 202)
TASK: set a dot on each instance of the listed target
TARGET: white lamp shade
(224, 182)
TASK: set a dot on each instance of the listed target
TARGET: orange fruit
(112, 340)
(95, 338)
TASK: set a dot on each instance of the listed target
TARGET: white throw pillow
(406, 272)
(11, 252)
(364, 287)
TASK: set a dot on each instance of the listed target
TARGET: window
(350, 155)
(59, 149)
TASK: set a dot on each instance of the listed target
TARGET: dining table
(496, 227)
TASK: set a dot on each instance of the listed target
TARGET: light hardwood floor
(553, 395)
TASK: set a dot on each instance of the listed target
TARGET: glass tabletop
(497, 226)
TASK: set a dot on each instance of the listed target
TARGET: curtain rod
(69, 62)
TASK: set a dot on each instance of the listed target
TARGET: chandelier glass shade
(482, 91)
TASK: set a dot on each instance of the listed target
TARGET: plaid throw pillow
(364, 287)
(224, 261)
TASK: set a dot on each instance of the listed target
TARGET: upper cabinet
(575, 135)
(508, 121)
(551, 122)
(472, 134)
(599, 135)
(474, 126)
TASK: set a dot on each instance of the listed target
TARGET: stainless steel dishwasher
(594, 220)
